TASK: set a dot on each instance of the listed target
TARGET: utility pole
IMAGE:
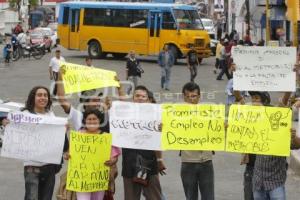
(267, 21)
(248, 17)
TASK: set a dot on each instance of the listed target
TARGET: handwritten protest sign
(193, 127)
(79, 78)
(264, 68)
(136, 125)
(34, 137)
(259, 130)
(86, 169)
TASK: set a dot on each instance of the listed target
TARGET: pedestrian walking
(192, 63)
(133, 71)
(223, 63)
(54, 68)
(135, 160)
(166, 61)
(7, 50)
(196, 166)
(218, 55)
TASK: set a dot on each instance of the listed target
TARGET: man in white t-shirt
(54, 67)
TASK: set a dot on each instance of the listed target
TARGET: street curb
(295, 163)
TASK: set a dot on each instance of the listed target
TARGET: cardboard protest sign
(259, 130)
(34, 137)
(136, 125)
(193, 127)
(86, 169)
(79, 78)
(264, 68)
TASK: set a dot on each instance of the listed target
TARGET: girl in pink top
(91, 124)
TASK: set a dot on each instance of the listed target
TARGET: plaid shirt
(269, 172)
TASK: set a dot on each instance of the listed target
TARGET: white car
(209, 27)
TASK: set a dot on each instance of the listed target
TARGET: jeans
(248, 192)
(276, 194)
(134, 81)
(165, 77)
(224, 69)
(39, 182)
(198, 175)
(194, 71)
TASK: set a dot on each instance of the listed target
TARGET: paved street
(17, 79)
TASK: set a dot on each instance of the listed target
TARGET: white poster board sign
(135, 125)
(32, 137)
(264, 68)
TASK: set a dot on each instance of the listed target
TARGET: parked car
(46, 31)
(209, 27)
(53, 26)
(38, 38)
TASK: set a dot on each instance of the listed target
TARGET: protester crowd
(264, 177)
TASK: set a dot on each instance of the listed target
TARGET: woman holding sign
(92, 119)
(39, 177)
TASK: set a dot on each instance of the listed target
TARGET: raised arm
(65, 104)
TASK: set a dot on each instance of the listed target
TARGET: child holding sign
(91, 124)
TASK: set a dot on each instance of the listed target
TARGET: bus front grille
(199, 42)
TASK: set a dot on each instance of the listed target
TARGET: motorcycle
(37, 51)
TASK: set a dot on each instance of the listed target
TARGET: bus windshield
(188, 19)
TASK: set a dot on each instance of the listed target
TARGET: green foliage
(33, 3)
(14, 3)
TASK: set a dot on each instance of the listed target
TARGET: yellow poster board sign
(79, 78)
(193, 127)
(259, 130)
(86, 169)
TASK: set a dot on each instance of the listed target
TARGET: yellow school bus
(117, 27)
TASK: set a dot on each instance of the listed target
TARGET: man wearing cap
(266, 174)
(54, 68)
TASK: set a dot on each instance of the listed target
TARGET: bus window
(65, 15)
(73, 21)
(168, 21)
(94, 16)
(188, 19)
(139, 19)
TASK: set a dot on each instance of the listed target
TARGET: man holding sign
(197, 167)
(44, 135)
(140, 168)
(269, 172)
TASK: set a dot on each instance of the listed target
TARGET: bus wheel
(94, 49)
(119, 55)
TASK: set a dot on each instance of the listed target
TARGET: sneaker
(167, 89)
